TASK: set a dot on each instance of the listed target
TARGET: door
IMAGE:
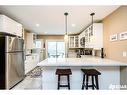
(14, 68)
(55, 49)
(14, 44)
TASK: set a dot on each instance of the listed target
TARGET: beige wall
(50, 37)
(123, 76)
(116, 22)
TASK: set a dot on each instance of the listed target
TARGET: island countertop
(85, 61)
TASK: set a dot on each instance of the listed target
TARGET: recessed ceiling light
(73, 25)
(45, 32)
(18, 25)
(37, 25)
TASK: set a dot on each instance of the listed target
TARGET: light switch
(124, 53)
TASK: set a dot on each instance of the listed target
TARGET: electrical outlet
(124, 53)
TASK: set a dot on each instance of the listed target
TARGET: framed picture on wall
(123, 35)
(113, 37)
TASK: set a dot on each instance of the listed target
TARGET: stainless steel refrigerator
(11, 61)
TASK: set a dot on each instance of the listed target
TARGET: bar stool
(63, 72)
(93, 73)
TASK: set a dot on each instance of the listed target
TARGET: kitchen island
(110, 71)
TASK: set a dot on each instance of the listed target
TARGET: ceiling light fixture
(73, 25)
(66, 23)
(66, 35)
(45, 32)
(92, 14)
(37, 25)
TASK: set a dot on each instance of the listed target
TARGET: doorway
(55, 49)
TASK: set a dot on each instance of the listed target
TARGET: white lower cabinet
(31, 62)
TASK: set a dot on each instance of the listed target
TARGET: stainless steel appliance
(11, 61)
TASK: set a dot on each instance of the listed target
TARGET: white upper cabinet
(30, 40)
(93, 39)
(7, 25)
(97, 38)
(73, 41)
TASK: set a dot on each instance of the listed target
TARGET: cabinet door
(30, 42)
(17, 29)
(86, 36)
(5, 24)
(10, 26)
(79, 37)
(90, 36)
(98, 35)
(31, 62)
(71, 41)
(76, 41)
(86, 45)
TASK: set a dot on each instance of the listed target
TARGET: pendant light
(92, 14)
(66, 36)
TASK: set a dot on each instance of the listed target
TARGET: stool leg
(97, 84)
(68, 80)
(87, 79)
(92, 82)
(83, 83)
(58, 87)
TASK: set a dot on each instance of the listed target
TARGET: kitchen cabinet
(93, 39)
(31, 62)
(72, 54)
(23, 33)
(30, 40)
(73, 41)
(8, 25)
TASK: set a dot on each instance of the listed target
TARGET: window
(56, 49)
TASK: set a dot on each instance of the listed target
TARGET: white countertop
(85, 61)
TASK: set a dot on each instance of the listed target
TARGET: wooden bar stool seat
(63, 72)
(93, 73)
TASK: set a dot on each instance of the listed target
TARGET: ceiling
(51, 19)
